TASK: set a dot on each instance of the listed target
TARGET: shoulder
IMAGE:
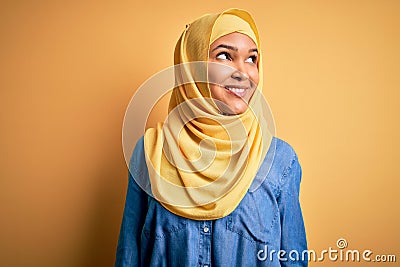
(287, 157)
(280, 166)
(284, 153)
(138, 172)
(283, 146)
(137, 161)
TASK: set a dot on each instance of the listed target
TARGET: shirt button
(205, 229)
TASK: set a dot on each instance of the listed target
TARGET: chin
(237, 109)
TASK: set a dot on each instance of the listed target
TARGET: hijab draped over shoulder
(201, 163)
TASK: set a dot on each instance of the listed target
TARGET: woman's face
(233, 83)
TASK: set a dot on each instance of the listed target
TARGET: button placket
(205, 243)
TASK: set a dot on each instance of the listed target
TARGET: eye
(251, 59)
(224, 56)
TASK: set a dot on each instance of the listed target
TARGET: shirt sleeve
(293, 235)
(128, 249)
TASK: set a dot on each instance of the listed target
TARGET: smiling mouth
(236, 90)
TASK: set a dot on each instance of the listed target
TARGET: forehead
(235, 39)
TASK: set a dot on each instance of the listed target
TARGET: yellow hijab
(201, 163)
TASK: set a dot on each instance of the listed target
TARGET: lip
(237, 90)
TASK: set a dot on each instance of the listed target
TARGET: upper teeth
(236, 90)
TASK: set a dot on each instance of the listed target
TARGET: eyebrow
(232, 48)
(225, 46)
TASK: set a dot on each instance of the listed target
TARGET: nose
(239, 73)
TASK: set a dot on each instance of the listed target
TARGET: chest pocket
(255, 217)
(161, 223)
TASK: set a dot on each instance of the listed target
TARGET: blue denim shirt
(267, 220)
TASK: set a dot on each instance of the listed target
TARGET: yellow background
(69, 69)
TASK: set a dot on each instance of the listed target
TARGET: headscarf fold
(201, 163)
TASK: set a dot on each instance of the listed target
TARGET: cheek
(217, 73)
(254, 76)
(215, 91)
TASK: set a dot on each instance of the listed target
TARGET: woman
(211, 186)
